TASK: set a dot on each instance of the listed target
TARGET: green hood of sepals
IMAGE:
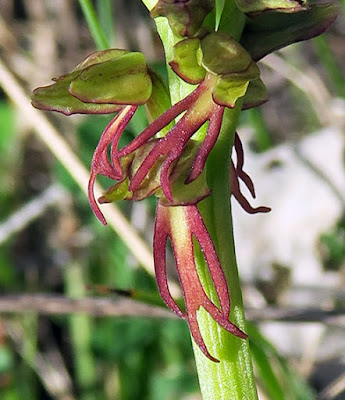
(185, 17)
(187, 61)
(273, 30)
(231, 87)
(253, 7)
(183, 194)
(101, 84)
(223, 55)
(218, 54)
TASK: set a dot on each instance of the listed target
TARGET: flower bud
(185, 17)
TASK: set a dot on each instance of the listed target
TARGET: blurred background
(118, 342)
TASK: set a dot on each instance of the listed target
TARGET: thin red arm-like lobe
(161, 234)
(193, 291)
(196, 334)
(207, 145)
(116, 138)
(162, 121)
(177, 146)
(223, 320)
(111, 133)
(93, 203)
(172, 144)
(236, 191)
(200, 231)
(100, 163)
(239, 167)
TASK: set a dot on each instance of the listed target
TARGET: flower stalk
(232, 378)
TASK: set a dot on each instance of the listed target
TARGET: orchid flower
(168, 159)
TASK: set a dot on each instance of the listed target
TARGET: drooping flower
(106, 82)
(181, 237)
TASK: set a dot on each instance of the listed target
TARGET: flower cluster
(164, 159)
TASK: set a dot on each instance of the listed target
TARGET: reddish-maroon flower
(172, 166)
(199, 108)
(181, 237)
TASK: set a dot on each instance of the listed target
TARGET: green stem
(235, 367)
(94, 25)
(81, 333)
(330, 64)
(232, 378)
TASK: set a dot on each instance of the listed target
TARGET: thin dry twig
(96, 306)
(123, 307)
(49, 366)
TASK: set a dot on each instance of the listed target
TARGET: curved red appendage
(236, 191)
(100, 163)
(200, 231)
(239, 166)
(162, 121)
(207, 145)
(160, 238)
(194, 294)
(172, 146)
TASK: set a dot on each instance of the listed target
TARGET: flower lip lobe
(181, 237)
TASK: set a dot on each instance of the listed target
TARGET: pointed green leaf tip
(253, 7)
(185, 17)
(272, 30)
(101, 84)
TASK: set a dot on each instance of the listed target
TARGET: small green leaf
(123, 80)
(258, 6)
(222, 54)
(272, 30)
(256, 94)
(227, 91)
(185, 62)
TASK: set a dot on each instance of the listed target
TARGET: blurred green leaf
(7, 125)
(279, 380)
